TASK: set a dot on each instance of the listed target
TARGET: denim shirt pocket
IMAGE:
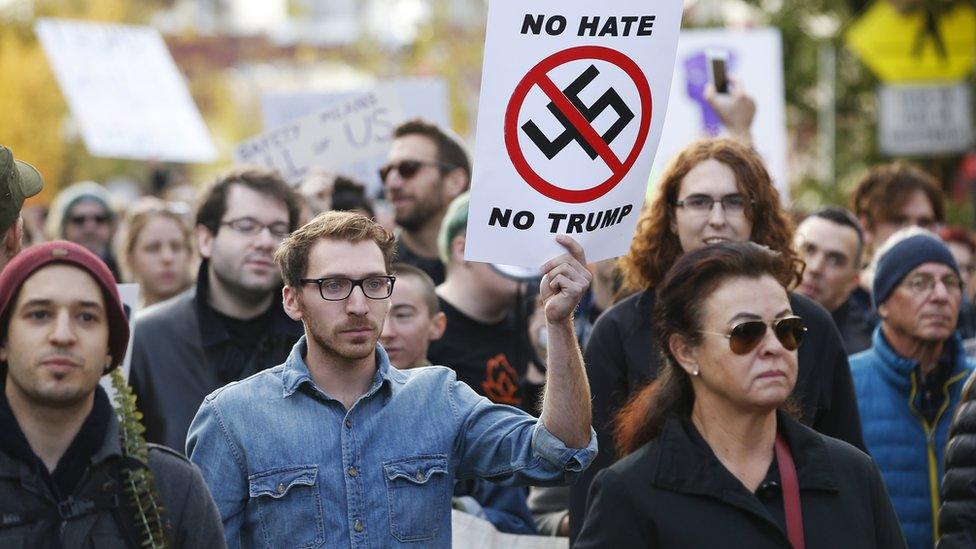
(289, 505)
(414, 488)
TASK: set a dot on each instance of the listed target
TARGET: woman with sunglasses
(713, 456)
(713, 191)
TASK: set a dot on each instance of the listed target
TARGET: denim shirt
(289, 466)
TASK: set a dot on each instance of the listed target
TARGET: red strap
(791, 493)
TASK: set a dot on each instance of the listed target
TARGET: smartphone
(717, 69)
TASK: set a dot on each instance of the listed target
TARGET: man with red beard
(427, 168)
(337, 448)
(231, 324)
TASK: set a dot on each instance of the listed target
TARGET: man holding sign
(337, 448)
(572, 105)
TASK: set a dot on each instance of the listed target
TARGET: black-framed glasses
(746, 336)
(251, 227)
(337, 288)
(702, 203)
(923, 284)
(409, 168)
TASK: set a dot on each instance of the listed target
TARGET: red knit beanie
(34, 258)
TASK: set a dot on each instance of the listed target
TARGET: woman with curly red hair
(715, 190)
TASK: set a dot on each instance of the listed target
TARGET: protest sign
(572, 104)
(125, 91)
(129, 294)
(924, 119)
(417, 98)
(347, 132)
(471, 532)
(755, 58)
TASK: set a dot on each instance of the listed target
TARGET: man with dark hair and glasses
(909, 382)
(231, 324)
(428, 167)
(338, 448)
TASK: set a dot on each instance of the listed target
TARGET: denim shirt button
(419, 476)
(348, 424)
(353, 472)
(358, 526)
(281, 488)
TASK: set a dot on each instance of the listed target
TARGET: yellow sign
(904, 48)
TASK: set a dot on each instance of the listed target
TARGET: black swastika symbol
(609, 99)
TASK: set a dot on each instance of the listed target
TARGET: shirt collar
(689, 465)
(295, 372)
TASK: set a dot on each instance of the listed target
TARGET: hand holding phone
(718, 69)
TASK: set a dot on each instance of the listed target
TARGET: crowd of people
(305, 372)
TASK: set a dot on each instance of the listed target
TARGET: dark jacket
(855, 326)
(188, 506)
(674, 492)
(173, 366)
(957, 517)
(621, 357)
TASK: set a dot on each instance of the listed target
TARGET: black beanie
(904, 257)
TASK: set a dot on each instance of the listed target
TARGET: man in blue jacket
(908, 382)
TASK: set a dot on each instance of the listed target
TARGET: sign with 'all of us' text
(573, 97)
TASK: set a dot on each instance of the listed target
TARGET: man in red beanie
(68, 465)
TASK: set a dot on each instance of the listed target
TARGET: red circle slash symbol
(538, 76)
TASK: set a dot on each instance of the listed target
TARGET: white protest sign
(424, 97)
(353, 130)
(471, 532)
(125, 91)
(129, 293)
(920, 119)
(418, 98)
(755, 58)
(573, 96)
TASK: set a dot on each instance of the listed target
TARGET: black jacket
(674, 492)
(855, 326)
(91, 512)
(621, 357)
(957, 516)
(174, 345)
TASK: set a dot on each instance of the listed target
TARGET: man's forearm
(566, 402)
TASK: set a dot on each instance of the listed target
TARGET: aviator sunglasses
(746, 336)
(409, 168)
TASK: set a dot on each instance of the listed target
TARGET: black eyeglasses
(339, 288)
(702, 203)
(251, 227)
(746, 336)
(99, 219)
(409, 168)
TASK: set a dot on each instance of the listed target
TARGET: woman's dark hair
(881, 193)
(349, 195)
(679, 310)
(655, 246)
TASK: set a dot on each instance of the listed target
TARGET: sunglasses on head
(746, 336)
(408, 168)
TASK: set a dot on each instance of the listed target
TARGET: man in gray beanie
(909, 381)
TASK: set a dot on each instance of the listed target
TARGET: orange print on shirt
(501, 381)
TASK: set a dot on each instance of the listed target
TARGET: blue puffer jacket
(905, 447)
